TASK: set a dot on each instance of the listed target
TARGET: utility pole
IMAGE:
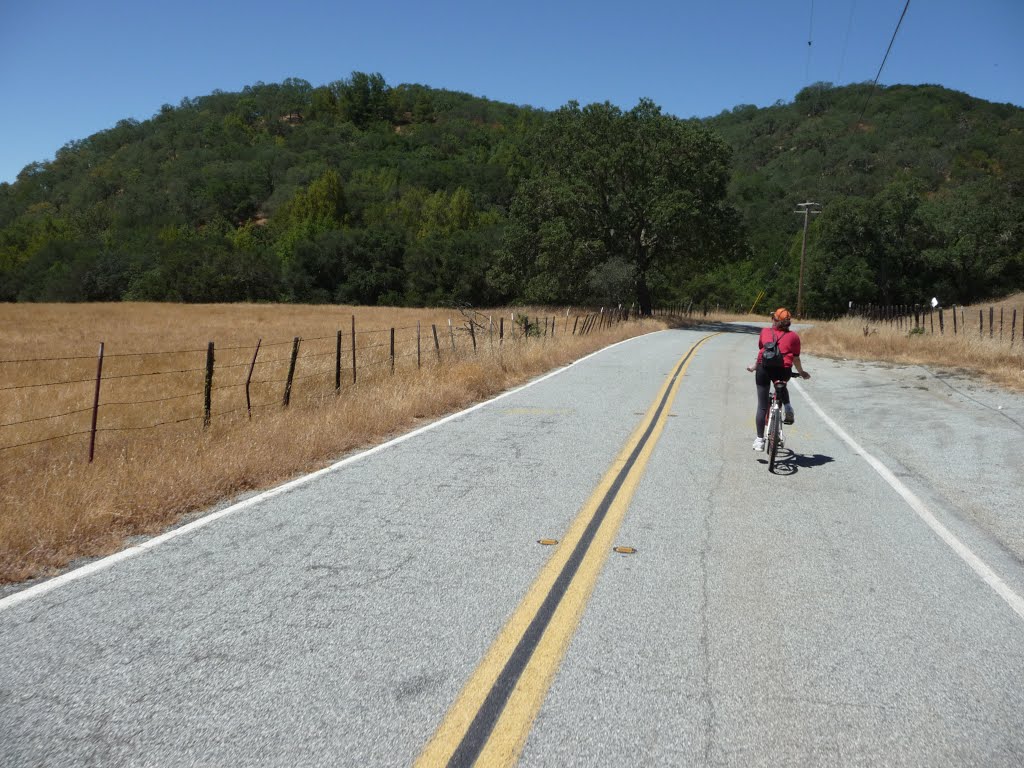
(808, 209)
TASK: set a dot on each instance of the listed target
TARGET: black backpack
(771, 355)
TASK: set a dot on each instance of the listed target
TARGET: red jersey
(789, 344)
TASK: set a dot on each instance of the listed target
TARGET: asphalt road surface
(860, 607)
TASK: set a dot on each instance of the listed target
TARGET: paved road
(813, 617)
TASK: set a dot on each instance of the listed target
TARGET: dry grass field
(999, 356)
(154, 460)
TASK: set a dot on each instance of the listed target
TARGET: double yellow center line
(492, 716)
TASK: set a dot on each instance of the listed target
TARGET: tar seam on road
(979, 566)
(468, 730)
(972, 399)
(125, 554)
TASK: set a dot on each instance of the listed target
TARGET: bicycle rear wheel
(773, 430)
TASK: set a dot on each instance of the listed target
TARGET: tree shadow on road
(789, 462)
(716, 327)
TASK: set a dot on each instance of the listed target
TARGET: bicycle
(773, 418)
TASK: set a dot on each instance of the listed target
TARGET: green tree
(363, 99)
(318, 208)
(639, 187)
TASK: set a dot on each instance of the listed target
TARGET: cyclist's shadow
(789, 462)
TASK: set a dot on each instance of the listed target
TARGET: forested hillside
(361, 192)
(353, 192)
(922, 196)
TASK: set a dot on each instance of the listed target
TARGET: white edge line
(125, 554)
(989, 576)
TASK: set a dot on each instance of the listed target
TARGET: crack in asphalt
(960, 392)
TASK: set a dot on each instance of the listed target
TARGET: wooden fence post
(337, 364)
(942, 323)
(392, 351)
(451, 334)
(991, 317)
(208, 388)
(981, 324)
(291, 372)
(248, 379)
(437, 344)
(954, 319)
(96, 403)
(931, 319)
(353, 349)
(1000, 323)
(1013, 327)
(574, 324)
(472, 334)
(501, 330)
(417, 343)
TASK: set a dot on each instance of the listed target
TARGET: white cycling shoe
(758, 444)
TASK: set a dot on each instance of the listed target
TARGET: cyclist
(789, 346)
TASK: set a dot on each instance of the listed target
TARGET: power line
(884, 59)
(810, 39)
(846, 42)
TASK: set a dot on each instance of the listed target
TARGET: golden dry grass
(993, 357)
(56, 506)
(1015, 301)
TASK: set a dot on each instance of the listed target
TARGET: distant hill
(357, 191)
(280, 192)
(921, 195)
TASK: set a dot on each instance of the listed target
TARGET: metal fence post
(337, 364)
(208, 389)
(96, 403)
(291, 372)
(248, 380)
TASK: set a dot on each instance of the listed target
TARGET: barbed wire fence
(133, 392)
(938, 320)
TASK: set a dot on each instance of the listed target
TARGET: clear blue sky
(70, 69)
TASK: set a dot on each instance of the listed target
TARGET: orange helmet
(781, 315)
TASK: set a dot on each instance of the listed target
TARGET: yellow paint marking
(509, 733)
